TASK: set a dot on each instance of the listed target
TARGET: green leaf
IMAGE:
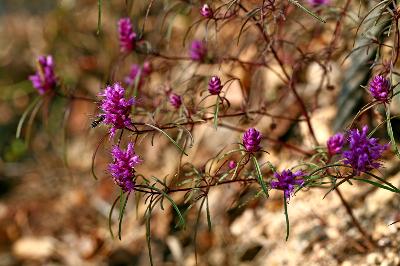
(181, 219)
(208, 214)
(25, 114)
(95, 153)
(382, 180)
(390, 132)
(122, 206)
(171, 139)
(148, 232)
(259, 176)
(99, 4)
(188, 133)
(309, 12)
(216, 113)
(110, 216)
(286, 217)
(196, 228)
(229, 152)
(376, 184)
(271, 166)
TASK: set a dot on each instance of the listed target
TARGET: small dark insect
(96, 122)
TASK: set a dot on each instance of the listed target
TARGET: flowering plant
(154, 93)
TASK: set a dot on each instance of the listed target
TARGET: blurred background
(53, 212)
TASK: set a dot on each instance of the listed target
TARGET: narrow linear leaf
(271, 166)
(208, 215)
(376, 184)
(188, 133)
(171, 139)
(123, 202)
(65, 137)
(308, 11)
(390, 132)
(148, 233)
(94, 155)
(99, 4)
(197, 227)
(228, 153)
(259, 176)
(382, 180)
(181, 219)
(216, 113)
(25, 114)
(31, 119)
(110, 216)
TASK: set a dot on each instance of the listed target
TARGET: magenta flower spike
(206, 11)
(287, 181)
(122, 168)
(379, 87)
(335, 143)
(251, 140)
(115, 108)
(127, 36)
(198, 51)
(44, 79)
(363, 152)
(214, 85)
(175, 100)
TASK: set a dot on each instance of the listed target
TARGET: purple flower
(206, 11)
(335, 143)
(115, 108)
(287, 180)
(198, 51)
(363, 153)
(175, 100)
(214, 85)
(379, 88)
(122, 169)
(137, 70)
(127, 36)
(232, 164)
(251, 140)
(318, 2)
(44, 79)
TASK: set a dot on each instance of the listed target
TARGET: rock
(347, 263)
(37, 248)
(374, 258)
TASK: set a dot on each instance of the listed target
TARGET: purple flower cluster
(115, 108)
(44, 79)
(127, 36)
(198, 51)
(318, 2)
(137, 70)
(206, 11)
(214, 85)
(379, 87)
(287, 180)
(122, 169)
(363, 152)
(251, 140)
(335, 143)
(175, 100)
